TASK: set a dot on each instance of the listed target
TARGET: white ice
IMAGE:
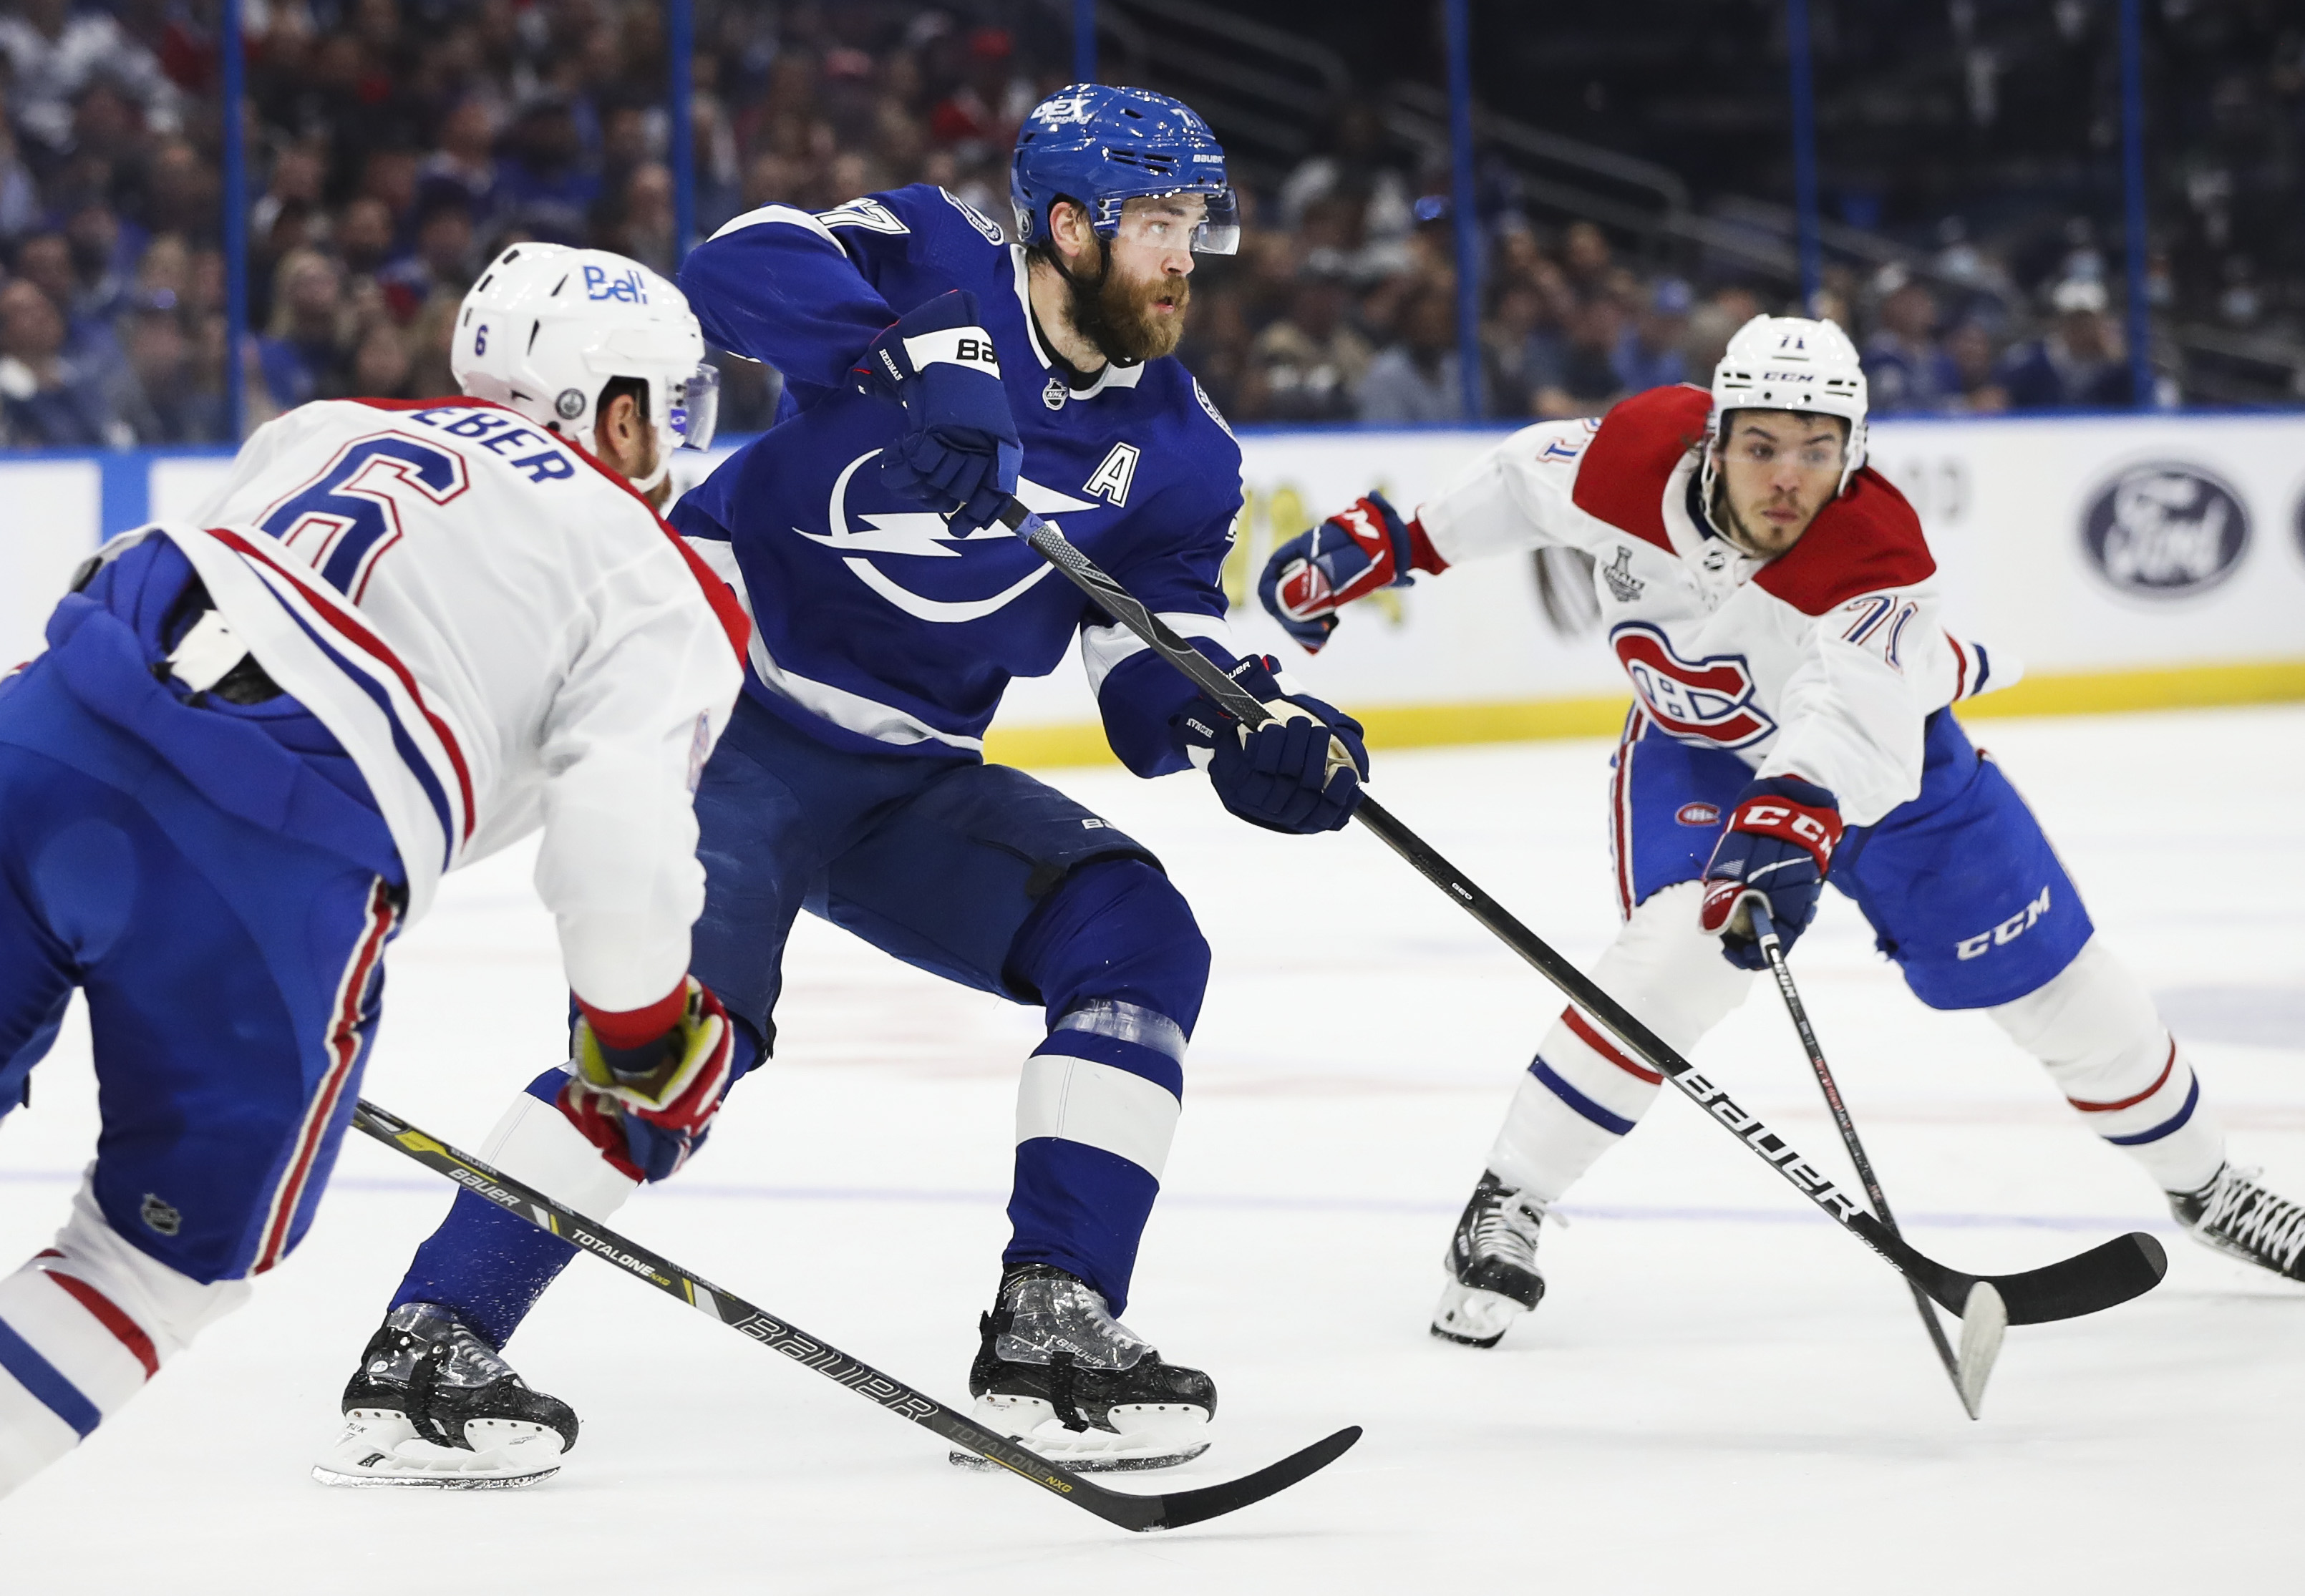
(1723, 1392)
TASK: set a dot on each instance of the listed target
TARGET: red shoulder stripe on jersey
(725, 607)
(717, 593)
(1623, 477)
(1866, 540)
(370, 644)
(112, 1317)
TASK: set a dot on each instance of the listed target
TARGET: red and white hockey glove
(1348, 556)
(647, 1082)
(1778, 847)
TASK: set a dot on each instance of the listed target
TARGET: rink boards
(2130, 562)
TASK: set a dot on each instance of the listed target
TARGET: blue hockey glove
(1348, 556)
(1778, 845)
(1295, 775)
(958, 453)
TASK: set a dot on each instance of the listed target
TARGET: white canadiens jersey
(503, 637)
(1822, 662)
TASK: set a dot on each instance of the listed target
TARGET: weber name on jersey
(502, 635)
(909, 632)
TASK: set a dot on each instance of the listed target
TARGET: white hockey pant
(2092, 1026)
(82, 1326)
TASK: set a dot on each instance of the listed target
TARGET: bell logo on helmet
(625, 288)
(570, 404)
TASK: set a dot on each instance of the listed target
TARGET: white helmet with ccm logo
(546, 326)
(1790, 362)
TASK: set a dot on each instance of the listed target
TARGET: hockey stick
(1168, 1511)
(2106, 1275)
(1984, 1316)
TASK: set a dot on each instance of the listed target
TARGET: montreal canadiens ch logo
(922, 534)
(1709, 702)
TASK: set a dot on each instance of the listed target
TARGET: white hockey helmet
(1790, 362)
(546, 326)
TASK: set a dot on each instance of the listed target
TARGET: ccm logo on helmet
(1709, 702)
(627, 286)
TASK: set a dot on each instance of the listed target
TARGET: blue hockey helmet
(1102, 147)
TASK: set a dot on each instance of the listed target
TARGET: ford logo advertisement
(2164, 531)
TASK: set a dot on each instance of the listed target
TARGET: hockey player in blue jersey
(936, 369)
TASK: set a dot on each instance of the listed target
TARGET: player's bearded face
(1777, 469)
(1132, 308)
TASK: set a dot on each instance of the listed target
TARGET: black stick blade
(1213, 1501)
(2104, 1277)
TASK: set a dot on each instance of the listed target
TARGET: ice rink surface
(1722, 1393)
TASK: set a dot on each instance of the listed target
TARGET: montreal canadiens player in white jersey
(1776, 605)
(936, 369)
(402, 637)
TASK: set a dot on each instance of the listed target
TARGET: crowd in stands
(396, 145)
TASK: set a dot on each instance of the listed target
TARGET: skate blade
(1471, 1317)
(1147, 1436)
(381, 1449)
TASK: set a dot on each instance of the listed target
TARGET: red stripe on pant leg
(1583, 1030)
(2130, 1102)
(108, 1314)
(343, 1042)
(1621, 799)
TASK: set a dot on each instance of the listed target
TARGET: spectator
(55, 56)
(980, 117)
(19, 199)
(1587, 259)
(382, 364)
(1309, 365)
(363, 238)
(464, 166)
(161, 403)
(1585, 380)
(542, 184)
(442, 263)
(1517, 343)
(45, 400)
(2079, 362)
(1418, 379)
(1649, 352)
(1905, 370)
(1975, 384)
(301, 354)
(1714, 323)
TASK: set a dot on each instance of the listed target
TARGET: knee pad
(1115, 930)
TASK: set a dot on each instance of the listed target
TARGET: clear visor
(696, 406)
(1203, 221)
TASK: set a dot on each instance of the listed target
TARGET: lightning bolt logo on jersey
(877, 625)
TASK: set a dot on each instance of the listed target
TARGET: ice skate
(1492, 1264)
(433, 1404)
(1058, 1373)
(2236, 1215)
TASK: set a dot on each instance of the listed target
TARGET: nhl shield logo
(2164, 531)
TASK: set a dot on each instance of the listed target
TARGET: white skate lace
(1506, 1229)
(2246, 1214)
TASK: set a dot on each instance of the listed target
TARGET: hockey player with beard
(405, 635)
(936, 370)
(1776, 605)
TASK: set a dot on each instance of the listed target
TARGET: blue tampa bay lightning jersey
(877, 627)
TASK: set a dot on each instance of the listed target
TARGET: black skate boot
(2234, 1214)
(1492, 1264)
(433, 1404)
(1058, 1373)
